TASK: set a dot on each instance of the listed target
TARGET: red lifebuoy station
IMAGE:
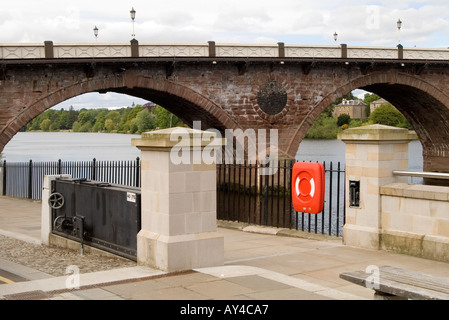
(308, 187)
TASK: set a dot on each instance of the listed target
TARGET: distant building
(355, 108)
(376, 104)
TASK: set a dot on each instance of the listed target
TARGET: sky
(425, 24)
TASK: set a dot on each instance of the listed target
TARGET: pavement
(259, 264)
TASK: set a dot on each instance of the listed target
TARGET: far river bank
(77, 146)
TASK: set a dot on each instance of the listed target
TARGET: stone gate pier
(178, 194)
(383, 210)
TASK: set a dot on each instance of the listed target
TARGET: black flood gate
(101, 215)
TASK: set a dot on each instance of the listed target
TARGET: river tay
(73, 146)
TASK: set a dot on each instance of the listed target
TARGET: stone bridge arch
(175, 97)
(425, 106)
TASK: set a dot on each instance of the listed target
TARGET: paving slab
(260, 264)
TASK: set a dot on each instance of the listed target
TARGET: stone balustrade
(150, 50)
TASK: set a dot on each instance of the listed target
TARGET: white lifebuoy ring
(297, 186)
(312, 187)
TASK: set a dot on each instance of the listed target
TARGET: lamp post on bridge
(134, 42)
(133, 16)
(400, 47)
(343, 46)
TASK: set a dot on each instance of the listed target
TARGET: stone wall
(415, 220)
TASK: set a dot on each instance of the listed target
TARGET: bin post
(178, 192)
(30, 180)
(46, 216)
(3, 179)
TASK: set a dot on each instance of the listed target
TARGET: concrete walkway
(260, 264)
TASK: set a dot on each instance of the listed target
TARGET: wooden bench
(395, 283)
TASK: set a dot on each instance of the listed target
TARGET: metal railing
(24, 179)
(243, 195)
(420, 174)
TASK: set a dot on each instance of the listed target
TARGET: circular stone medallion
(272, 97)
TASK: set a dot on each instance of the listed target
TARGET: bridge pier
(372, 153)
(384, 211)
(178, 192)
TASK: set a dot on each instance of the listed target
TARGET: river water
(69, 146)
(75, 146)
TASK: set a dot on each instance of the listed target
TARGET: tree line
(137, 119)
(134, 120)
(326, 126)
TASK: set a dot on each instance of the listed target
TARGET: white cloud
(96, 100)
(357, 22)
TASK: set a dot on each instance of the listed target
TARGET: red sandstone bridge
(233, 86)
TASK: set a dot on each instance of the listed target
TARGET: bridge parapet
(22, 51)
(151, 50)
(428, 54)
(173, 50)
(296, 51)
(239, 50)
(91, 51)
(372, 53)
